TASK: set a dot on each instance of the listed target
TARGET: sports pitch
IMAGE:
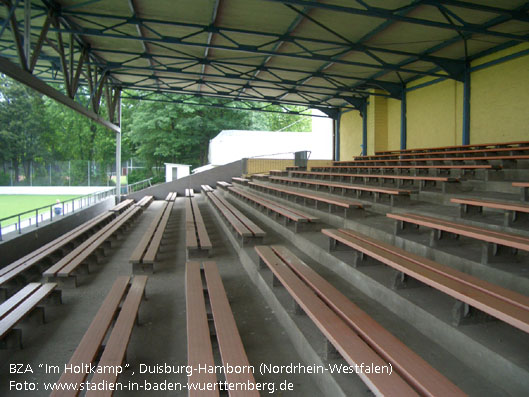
(11, 204)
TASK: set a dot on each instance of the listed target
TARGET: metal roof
(327, 54)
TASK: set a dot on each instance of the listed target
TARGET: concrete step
(488, 350)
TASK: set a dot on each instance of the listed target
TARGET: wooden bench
(300, 219)
(223, 185)
(14, 275)
(199, 346)
(376, 192)
(145, 202)
(245, 229)
(115, 347)
(278, 172)
(411, 367)
(23, 304)
(171, 196)
(524, 187)
(332, 202)
(460, 147)
(439, 160)
(469, 291)
(414, 170)
(342, 337)
(198, 243)
(144, 254)
(189, 193)
(456, 153)
(206, 188)
(399, 180)
(122, 206)
(491, 240)
(240, 181)
(512, 211)
(63, 270)
(260, 177)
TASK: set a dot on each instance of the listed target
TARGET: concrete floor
(271, 331)
(161, 336)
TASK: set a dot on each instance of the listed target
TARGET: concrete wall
(258, 165)
(222, 173)
(16, 246)
(498, 110)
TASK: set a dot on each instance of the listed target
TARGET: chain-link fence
(76, 173)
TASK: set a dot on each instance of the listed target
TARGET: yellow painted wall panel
(393, 124)
(499, 102)
(350, 135)
(433, 115)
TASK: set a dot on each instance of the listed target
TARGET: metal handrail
(97, 196)
(143, 182)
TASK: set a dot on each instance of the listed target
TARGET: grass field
(11, 204)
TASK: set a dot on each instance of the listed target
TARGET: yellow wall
(393, 124)
(498, 110)
(261, 165)
(350, 135)
(499, 102)
(434, 115)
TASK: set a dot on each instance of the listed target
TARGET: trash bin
(57, 210)
(301, 158)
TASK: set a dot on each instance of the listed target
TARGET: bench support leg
(275, 281)
(435, 236)
(297, 308)
(464, 314)
(400, 280)
(488, 250)
(330, 352)
(511, 217)
(262, 264)
(66, 282)
(12, 340)
(525, 193)
(141, 268)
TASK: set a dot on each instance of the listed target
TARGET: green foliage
(39, 131)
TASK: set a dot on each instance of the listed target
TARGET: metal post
(466, 106)
(50, 174)
(403, 121)
(118, 153)
(27, 31)
(88, 169)
(337, 138)
(31, 173)
(364, 129)
(69, 173)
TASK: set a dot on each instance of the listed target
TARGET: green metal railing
(54, 210)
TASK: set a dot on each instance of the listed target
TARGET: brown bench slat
(477, 145)
(294, 215)
(191, 233)
(203, 237)
(502, 205)
(230, 343)
(68, 264)
(423, 377)
(88, 347)
(145, 201)
(245, 221)
(477, 293)
(206, 188)
(334, 201)
(234, 221)
(11, 304)
(442, 159)
(189, 193)
(376, 176)
(142, 247)
(44, 251)
(491, 236)
(423, 166)
(118, 341)
(373, 189)
(199, 349)
(520, 184)
(150, 254)
(14, 316)
(242, 181)
(352, 348)
(123, 205)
